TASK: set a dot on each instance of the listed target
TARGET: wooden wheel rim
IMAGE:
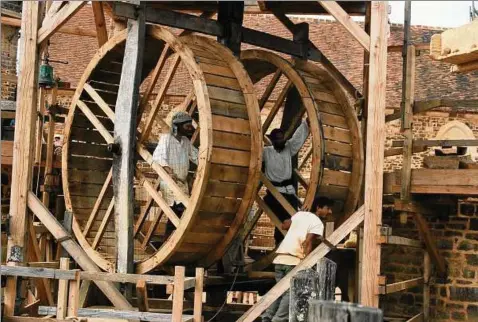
(167, 250)
(300, 73)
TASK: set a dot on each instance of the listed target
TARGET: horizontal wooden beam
(41, 272)
(116, 314)
(399, 48)
(399, 150)
(76, 31)
(52, 24)
(423, 142)
(400, 286)
(401, 241)
(416, 318)
(412, 206)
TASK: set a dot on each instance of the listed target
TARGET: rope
(225, 301)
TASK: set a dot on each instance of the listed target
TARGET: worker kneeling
(174, 152)
(303, 229)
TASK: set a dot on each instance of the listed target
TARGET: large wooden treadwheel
(223, 104)
(336, 151)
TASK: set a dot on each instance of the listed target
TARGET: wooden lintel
(400, 286)
(75, 30)
(423, 106)
(402, 241)
(351, 26)
(412, 206)
(399, 150)
(423, 142)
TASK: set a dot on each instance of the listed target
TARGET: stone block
(458, 316)
(472, 259)
(472, 236)
(466, 245)
(464, 294)
(472, 311)
(467, 209)
(474, 224)
(467, 273)
(445, 244)
(451, 233)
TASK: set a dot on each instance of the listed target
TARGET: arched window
(456, 130)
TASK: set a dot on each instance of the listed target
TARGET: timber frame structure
(41, 20)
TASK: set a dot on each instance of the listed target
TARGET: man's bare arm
(286, 224)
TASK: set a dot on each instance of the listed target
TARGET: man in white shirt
(174, 152)
(278, 169)
(303, 229)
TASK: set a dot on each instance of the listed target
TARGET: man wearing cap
(277, 162)
(174, 152)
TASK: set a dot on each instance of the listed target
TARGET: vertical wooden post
(124, 137)
(142, 296)
(374, 154)
(231, 15)
(74, 295)
(408, 90)
(61, 304)
(178, 294)
(198, 289)
(426, 286)
(49, 152)
(23, 146)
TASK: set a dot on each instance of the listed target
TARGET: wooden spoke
(279, 197)
(98, 202)
(154, 78)
(55, 6)
(151, 230)
(144, 213)
(100, 23)
(276, 106)
(99, 101)
(158, 198)
(301, 179)
(52, 24)
(268, 211)
(104, 223)
(270, 88)
(182, 197)
(307, 155)
(96, 123)
(160, 97)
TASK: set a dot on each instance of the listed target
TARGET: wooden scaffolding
(41, 20)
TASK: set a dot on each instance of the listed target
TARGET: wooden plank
(426, 286)
(427, 238)
(284, 284)
(417, 318)
(411, 206)
(336, 134)
(400, 286)
(346, 21)
(142, 296)
(107, 314)
(219, 81)
(275, 108)
(229, 173)
(198, 292)
(230, 157)
(338, 148)
(277, 195)
(74, 295)
(217, 70)
(431, 143)
(334, 120)
(272, 216)
(104, 224)
(374, 154)
(52, 24)
(125, 136)
(62, 301)
(228, 109)
(231, 140)
(49, 154)
(24, 146)
(402, 241)
(98, 202)
(96, 177)
(158, 101)
(337, 178)
(178, 296)
(270, 88)
(100, 23)
(322, 96)
(224, 94)
(229, 124)
(225, 189)
(219, 205)
(95, 121)
(99, 100)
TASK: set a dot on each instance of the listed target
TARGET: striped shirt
(170, 152)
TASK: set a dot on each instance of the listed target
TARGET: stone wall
(453, 297)
(9, 61)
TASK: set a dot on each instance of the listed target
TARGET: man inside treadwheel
(278, 169)
(174, 152)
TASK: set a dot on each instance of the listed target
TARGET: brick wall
(9, 60)
(453, 297)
